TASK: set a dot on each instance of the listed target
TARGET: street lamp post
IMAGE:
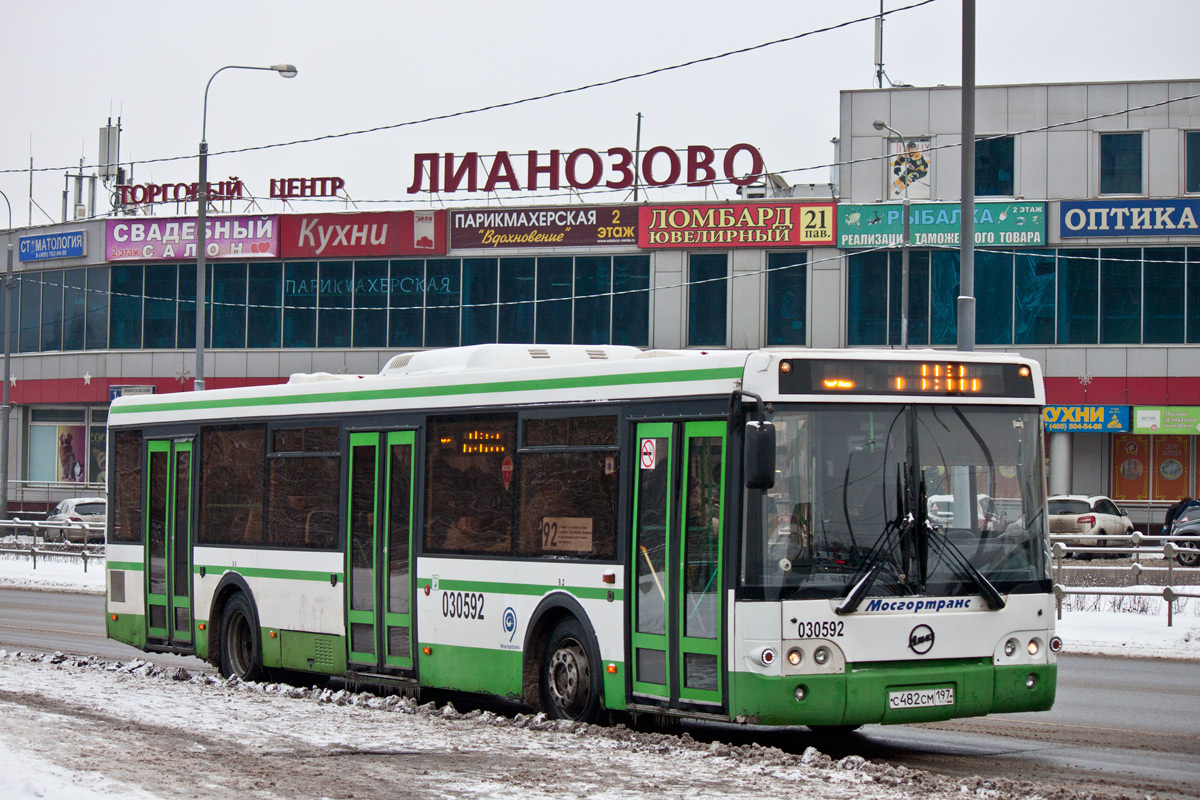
(6, 409)
(904, 245)
(284, 70)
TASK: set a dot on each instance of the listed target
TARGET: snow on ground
(86, 728)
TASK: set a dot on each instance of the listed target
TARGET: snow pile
(110, 727)
(54, 573)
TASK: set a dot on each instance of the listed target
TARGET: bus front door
(168, 543)
(379, 551)
(678, 601)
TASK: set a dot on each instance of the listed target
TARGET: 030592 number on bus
(462, 605)
(821, 630)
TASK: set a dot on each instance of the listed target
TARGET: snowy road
(87, 728)
(84, 728)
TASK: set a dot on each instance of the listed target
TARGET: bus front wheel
(241, 647)
(570, 688)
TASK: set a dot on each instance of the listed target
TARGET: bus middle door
(678, 606)
(379, 551)
(168, 542)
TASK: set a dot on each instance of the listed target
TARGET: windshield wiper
(874, 563)
(951, 552)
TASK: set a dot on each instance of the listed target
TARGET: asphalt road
(1119, 725)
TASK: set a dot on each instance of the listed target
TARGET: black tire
(1188, 553)
(241, 642)
(569, 680)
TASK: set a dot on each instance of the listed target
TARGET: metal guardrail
(1167, 551)
(36, 528)
(33, 552)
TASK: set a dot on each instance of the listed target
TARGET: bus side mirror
(758, 465)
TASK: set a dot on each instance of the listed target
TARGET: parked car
(1085, 517)
(1187, 524)
(988, 519)
(77, 509)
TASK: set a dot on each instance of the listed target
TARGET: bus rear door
(168, 567)
(677, 611)
(379, 551)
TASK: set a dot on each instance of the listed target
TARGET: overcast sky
(66, 67)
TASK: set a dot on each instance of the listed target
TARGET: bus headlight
(1034, 646)
(821, 656)
(1010, 647)
(795, 656)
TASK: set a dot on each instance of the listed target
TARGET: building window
(1192, 181)
(554, 282)
(867, 299)
(1163, 285)
(334, 303)
(994, 167)
(708, 288)
(370, 303)
(517, 294)
(993, 297)
(265, 299)
(158, 327)
(593, 303)
(1121, 163)
(74, 308)
(126, 321)
(1078, 296)
(1033, 322)
(1120, 296)
(480, 292)
(787, 298)
(52, 310)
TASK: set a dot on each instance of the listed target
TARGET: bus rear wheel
(570, 689)
(241, 647)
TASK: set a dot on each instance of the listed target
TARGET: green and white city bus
(780, 536)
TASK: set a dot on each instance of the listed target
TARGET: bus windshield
(850, 480)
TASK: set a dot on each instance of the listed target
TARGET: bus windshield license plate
(921, 698)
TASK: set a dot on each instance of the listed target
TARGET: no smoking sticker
(648, 459)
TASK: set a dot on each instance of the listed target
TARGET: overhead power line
(508, 103)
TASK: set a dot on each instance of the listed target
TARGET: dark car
(1187, 524)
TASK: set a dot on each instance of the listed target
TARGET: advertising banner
(71, 459)
(881, 224)
(573, 226)
(382, 233)
(1131, 467)
(1103, 419)
(69, 244)
(174, 238)
(908, 168)
(728, 225)
(1183, 420)
(1167, 217)
(1172, 455)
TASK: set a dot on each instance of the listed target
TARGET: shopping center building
(1087, 259)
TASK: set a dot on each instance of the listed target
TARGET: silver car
(92, 510)
(1084, 517)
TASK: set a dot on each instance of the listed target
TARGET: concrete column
(1060, 463)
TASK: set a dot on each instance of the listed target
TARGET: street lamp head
(285, 70)
(879, 124)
